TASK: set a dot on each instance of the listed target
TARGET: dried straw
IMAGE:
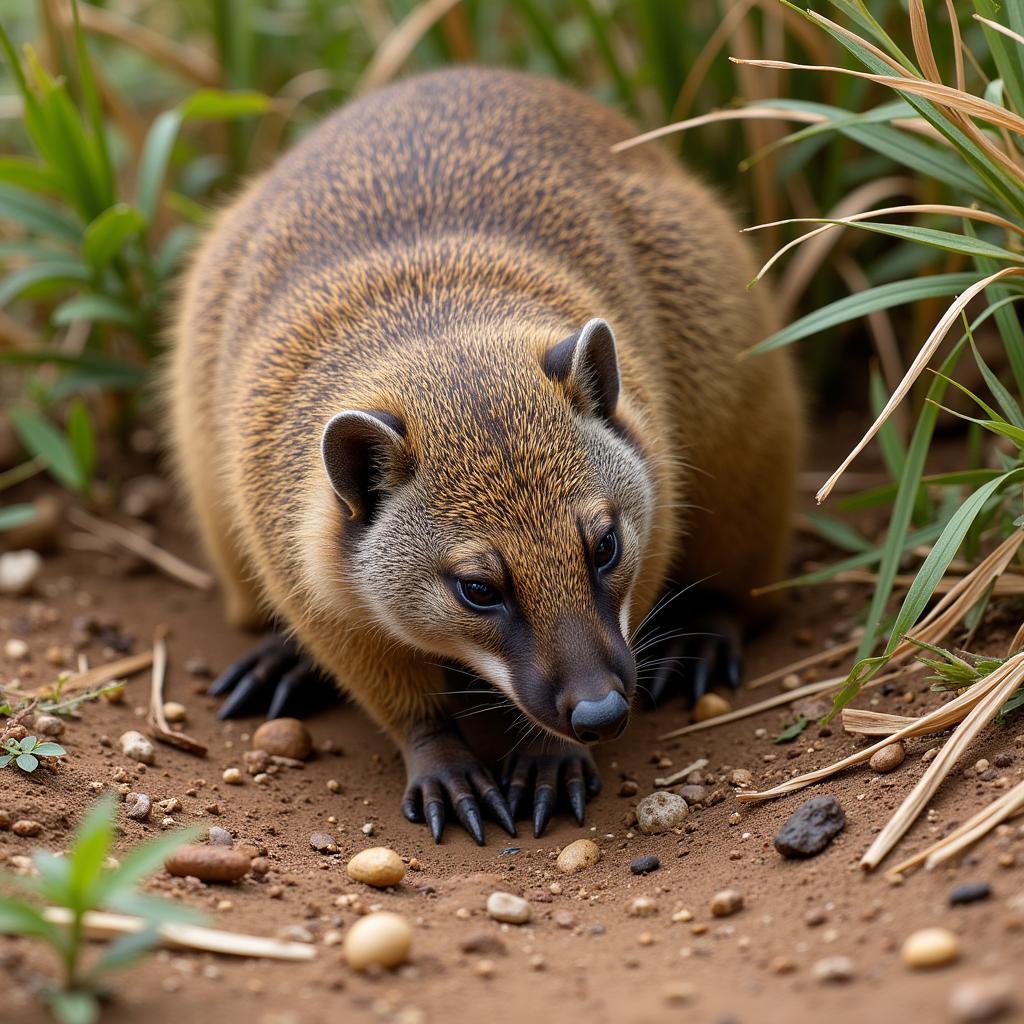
(103, 674)
(156, 722)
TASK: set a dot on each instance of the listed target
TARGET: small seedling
(25, 753)
(81, 882)
(793, 729)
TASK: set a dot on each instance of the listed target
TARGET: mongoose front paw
(544, 772)
(443, 774)
(690, 644)
(276, 670)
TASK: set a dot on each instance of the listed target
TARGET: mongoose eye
(606, 554)
(477, 595)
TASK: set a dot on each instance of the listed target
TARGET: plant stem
(25, 471)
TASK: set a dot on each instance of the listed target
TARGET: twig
(155, 721)
(94, 677)
(671, 780)
(838, 651)
(188, 936)
(163, 560)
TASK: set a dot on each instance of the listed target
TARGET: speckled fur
(418, 253)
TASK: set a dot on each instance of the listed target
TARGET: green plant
(25, 753)
(81, 882)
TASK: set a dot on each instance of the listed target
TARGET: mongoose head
(495, 510)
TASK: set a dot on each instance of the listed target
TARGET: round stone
(711, 705)
(888, 758)
(726, 903)
(377, 866)
(644, 865)
(208, 863)
(48, 725)
(504, 906)
(661, 812)
(18, 571)
(137, 806)
(578, 856)
(232, 776)
(380, 939)
(137, 747)
(981, 999)
(283, 737)
(930, 947)
(175, 712)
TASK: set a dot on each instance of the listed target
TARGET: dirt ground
(602, 964)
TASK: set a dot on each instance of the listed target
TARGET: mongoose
(457, 392)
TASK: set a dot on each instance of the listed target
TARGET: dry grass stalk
(862, 722)
(167, 563)
(1007, 806)
(103, 674)
(996, 27)
(838, 651)
(396, 49)
(156, 723)
(671, 780)
(101, 924)
(810, 690)
(1010, 584)
(192, 64)
(998, 687)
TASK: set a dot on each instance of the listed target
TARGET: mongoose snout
(457, 402)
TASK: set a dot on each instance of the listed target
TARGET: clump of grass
(68, 888)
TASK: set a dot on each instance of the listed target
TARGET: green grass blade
(94, 308)
(106, 235)
(42, 439)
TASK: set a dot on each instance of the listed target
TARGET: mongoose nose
(603, 719)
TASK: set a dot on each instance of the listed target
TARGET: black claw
(496, 805)
(515, 798)
(577, 800)
(411, 808)
(469, 814)
(733, 669)
(435, 817)
(229, 677)
(543, 805)
(700, 678)
(249, 686)
(284, 691)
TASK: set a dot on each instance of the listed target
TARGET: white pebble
(16, 649)
(175, 712)
(135, 746)
(833, 969)
(661, 812)
(18, 571)
(380, 939)
(503, 906)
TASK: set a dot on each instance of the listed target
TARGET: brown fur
(446, 230)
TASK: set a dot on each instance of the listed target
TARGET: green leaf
(93, 840)
(54, 883)
(146, 859)
(152, 909)
(42, 439)
(18, 918)
(1006, 401)
(46, 277)
(94, 308)
(36, 214)
(156, 155)
(82, 438)
(1008, 430)
(28, 743)
(107, 234)
(221, 105)
(26, 762)
(851, 307)
(838, 532)
(6, 760)
(49, 750)
(12, 516)
(74, 1007)
(793, 730)
(125, 950)
(28, 174)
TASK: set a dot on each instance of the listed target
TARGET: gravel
(504, 906)
(644, 865)
(810, 828)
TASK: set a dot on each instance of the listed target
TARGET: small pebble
(380, 939)
(642, 906)
(693, 794)
(813, 825)
(137, 747)
(137, 806)
(930, 947)
(726, 903)
(678, 993)
(232, 776)
(970, 892)
(981, 999)
(644, 865)
(323, 843)
(48, 725)
(283, 737)
(26, 828)
(711, 705)
(175, 712)
(18, 571)
(578, 856)
(833, 969)
(890, 757)
(504, 906)
(16, 649)
(565, 919)
(208, 863)
(660, 812)
(377, 866)
(220, 836)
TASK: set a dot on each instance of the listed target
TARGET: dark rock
(811, 828)
(1003, 759)
(510, 851)
(483, 944)
(644, 865)
(970, 892)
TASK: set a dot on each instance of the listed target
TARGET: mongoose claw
(452, 778)
(543, 772)
(277, 668)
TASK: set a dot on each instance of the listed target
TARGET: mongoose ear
(588, 363)
(362, 452)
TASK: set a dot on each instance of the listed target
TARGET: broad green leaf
(41, 438)
(74, 1007)
(107, 234)
(22, 172)
(49, 750)
(26, 762)
(96, 309)
(7, 758)
(37, 214)
(851, 307)
(42, 278)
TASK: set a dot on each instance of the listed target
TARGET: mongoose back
(457, 394)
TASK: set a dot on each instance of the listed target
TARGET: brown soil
(610, 966)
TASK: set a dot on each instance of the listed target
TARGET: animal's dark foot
(443, 776)
(276, 673)
(546, 776)
(695, 643)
